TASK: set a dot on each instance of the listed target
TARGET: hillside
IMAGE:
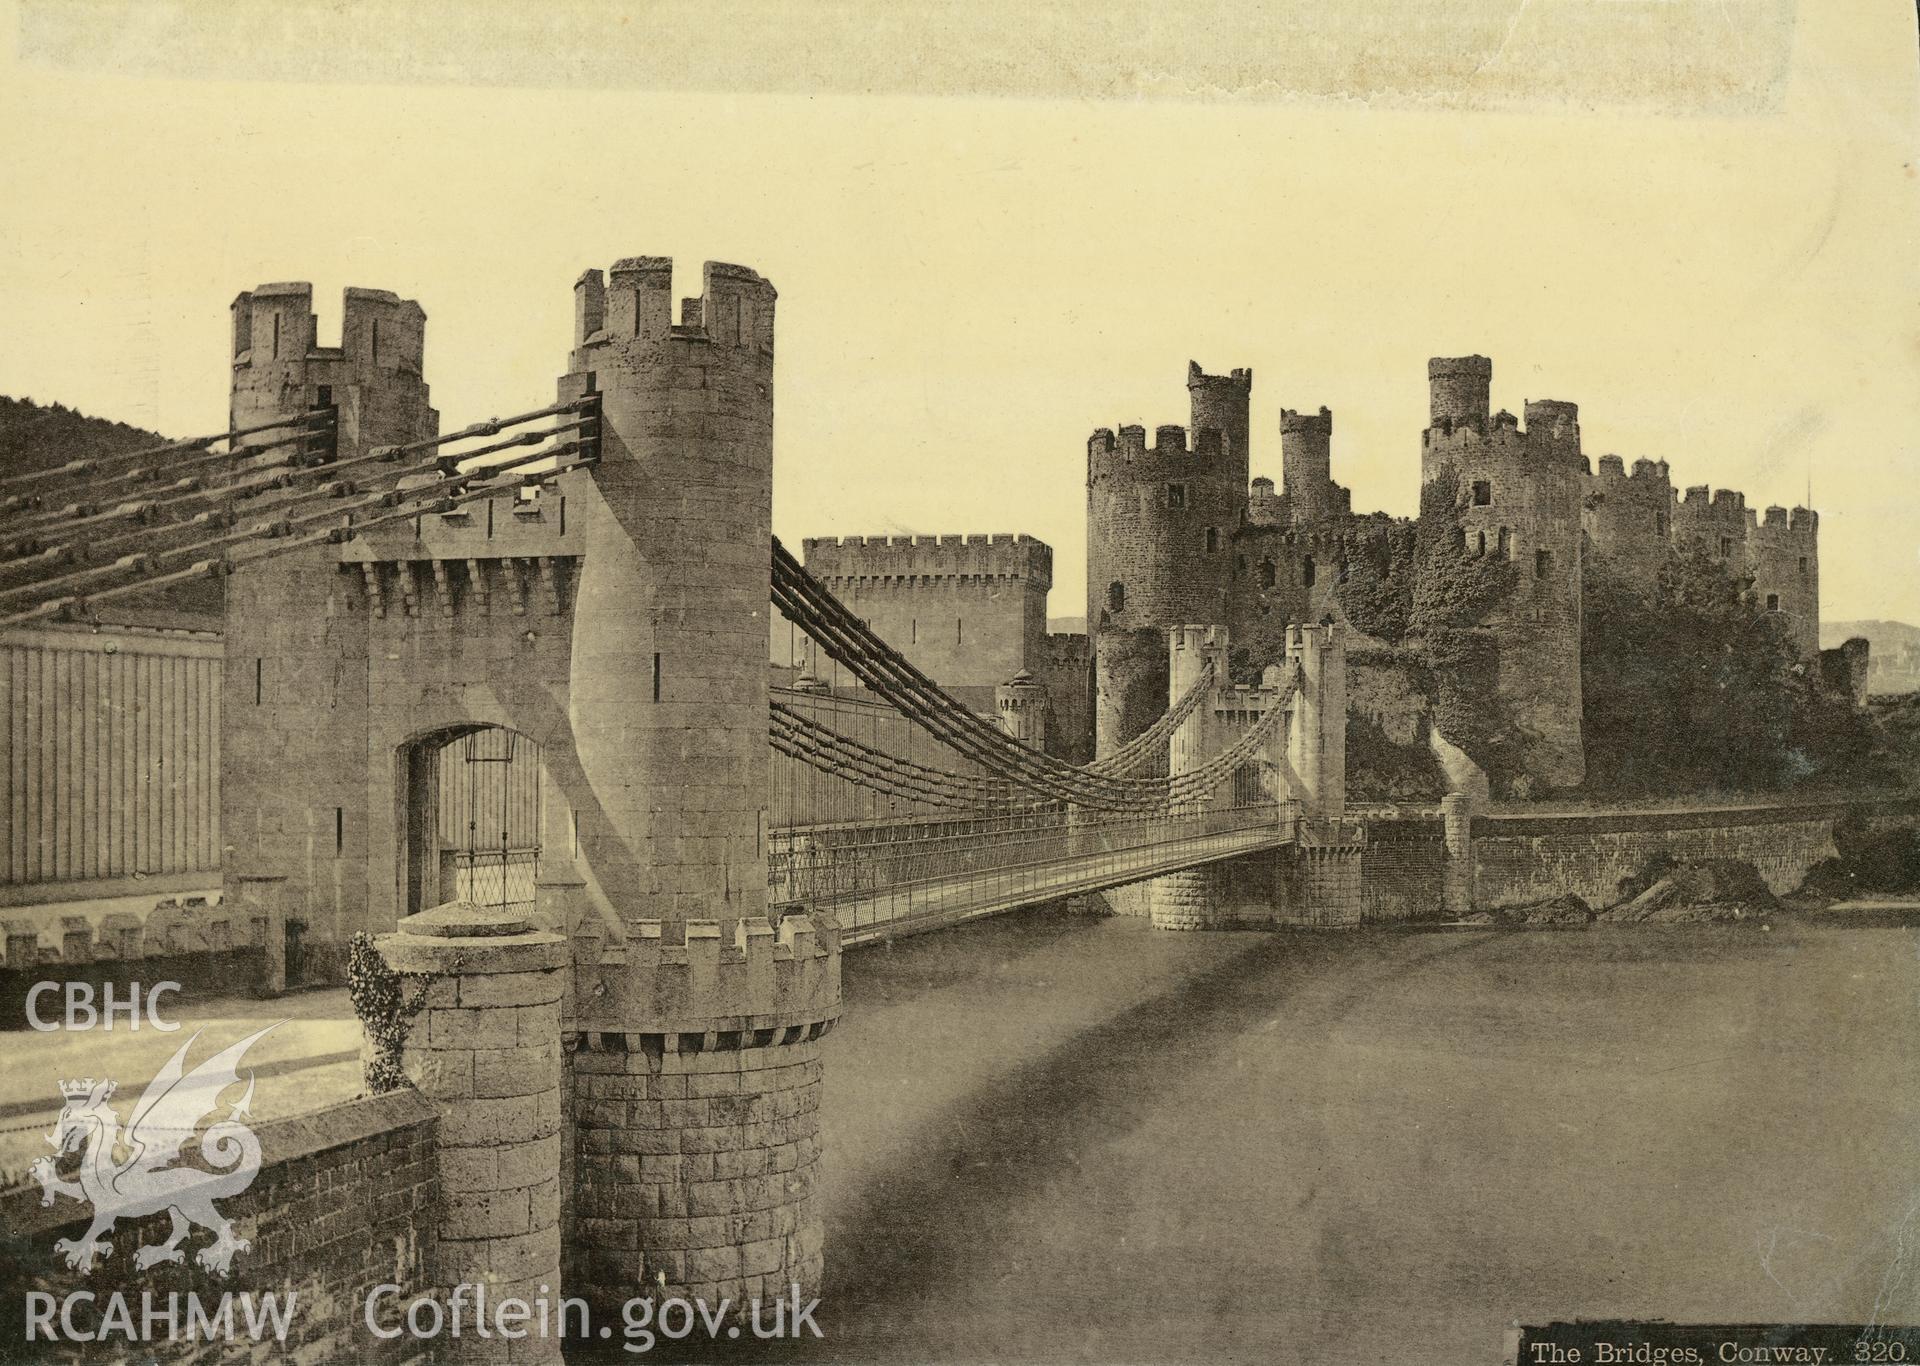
(1884, 635)
(37, 436)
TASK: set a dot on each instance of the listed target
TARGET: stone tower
(1519, 495)
(1458, 389)
(1193, 898)
(1160, 520)
(1306, 468)
(1223, 403)
(1022, 704)
(1629, 520)
(296, 657)
(1784, 551)
(696, 1077)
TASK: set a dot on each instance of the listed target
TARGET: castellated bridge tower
(1160, 521)
(1520, 495)
(296, 649)
(696, 1076)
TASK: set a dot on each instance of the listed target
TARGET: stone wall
(1520, 498)
(698, 1166)
(1403, 870)
(1066, 669)
(346, 1200)
(1525, 858)
(694, 1097)
(202, 973)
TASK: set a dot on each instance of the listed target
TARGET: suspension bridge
(890, 844)
(595, 576)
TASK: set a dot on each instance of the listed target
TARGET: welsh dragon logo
(151, 1177)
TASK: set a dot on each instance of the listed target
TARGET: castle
(1179, 534)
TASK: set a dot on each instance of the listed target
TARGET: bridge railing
(896, 871)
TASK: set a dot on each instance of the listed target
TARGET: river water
(1065, 1138)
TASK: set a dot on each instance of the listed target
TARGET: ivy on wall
(386, 1010)
(1688, 684)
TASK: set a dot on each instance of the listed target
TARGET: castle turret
(1306, 468)
(710, 996)
(1784, 556)
(1022, 704)
(1457, 390)
(1717, 521)
(1223, 403)
(373, 377)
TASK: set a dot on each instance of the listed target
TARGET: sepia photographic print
(913, 682)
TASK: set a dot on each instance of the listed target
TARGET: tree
(1686, 684)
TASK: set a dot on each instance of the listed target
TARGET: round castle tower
(1520, 495)
(697, 1077)
(1306, 468)
(1159, 525)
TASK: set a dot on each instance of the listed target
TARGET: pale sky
(969, 286)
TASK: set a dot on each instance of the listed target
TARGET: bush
(1688, 685)
(1379, 770)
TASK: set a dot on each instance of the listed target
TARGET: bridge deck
(930, 903)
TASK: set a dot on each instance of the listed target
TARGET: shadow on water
(936, 1219)
(932, 1220)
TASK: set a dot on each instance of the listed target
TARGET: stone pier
(486, 1050)
(696, 1140)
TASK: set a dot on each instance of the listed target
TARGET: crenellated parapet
(1783, 558)
(634, 300)
(1223, 403)
(733, 984)
(373, 379)
(1458, 388)
(1123, 455)
(997, 556)
(1628, 518)
(1159, 521)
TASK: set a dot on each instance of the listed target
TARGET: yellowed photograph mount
(896, 683)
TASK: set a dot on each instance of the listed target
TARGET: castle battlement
(1237, 382)
(1649, 481)
(1782, 524)
(1326, 544)
(734, 309)
(1322, 421)
(1723, 508)
(1001, 555)
(378, 329)
(1174, 447)
(694, 978)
